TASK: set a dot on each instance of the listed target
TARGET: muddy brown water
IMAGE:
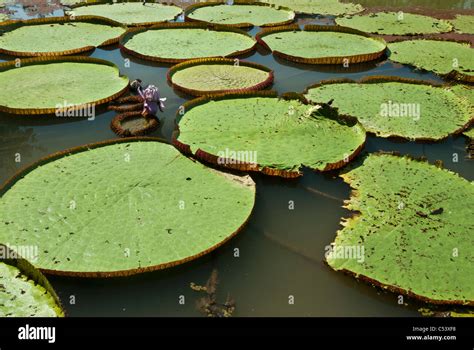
(280, 250)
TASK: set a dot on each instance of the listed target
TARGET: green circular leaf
(282, 135)
(463, 24)
(211, 75)
(257, 15)
(57, 36)
(121, 208)
(321, 7)
(322, 44)
(414, 231)
(395, 23)
(393, 108)
(130, 13)
(441, 57)
(57, 84)
(182, 41)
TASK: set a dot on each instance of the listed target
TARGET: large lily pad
(463, 24)
(129, 13)
(54, 36)
(415, 227)
(24, 291)
(259, 132)
(441, 57)
(391, 106)
(212, 75)
(320, 7)
(61, 84)
(240, 14)
(122, 207)
(177, 42)
(393, 23)
(322, 44)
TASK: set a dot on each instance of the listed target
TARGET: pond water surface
(280, 251)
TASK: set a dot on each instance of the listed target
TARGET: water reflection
(18, 146)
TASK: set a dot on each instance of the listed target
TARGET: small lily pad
(217, 75)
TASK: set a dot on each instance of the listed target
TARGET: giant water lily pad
(240, 14)
(130, 13)
(259, 132)
(441, 57)
(415, 227)
(177, 42)
(212, 75)
(320, 7)
(122, 207)
(24, 291)
(470, 133)
(322, 44)
(57, 35)
(393, 23)
(398, 107)
(463, 24)
(61, 84)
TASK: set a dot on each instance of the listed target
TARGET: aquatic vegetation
(469, 133)
(24, 291)
(321, 7)
(392, 106)
(212, 75)
(48, 82)
(322, 44)
(434, 313)
(122, 207)
(442, 57)
(208, 304)
(178, 42)
(463, 24)
(393, 23)
(414, 223)
(256, 131)
(130, 121)
(54, 36)
(240, 14)
(129, 13)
